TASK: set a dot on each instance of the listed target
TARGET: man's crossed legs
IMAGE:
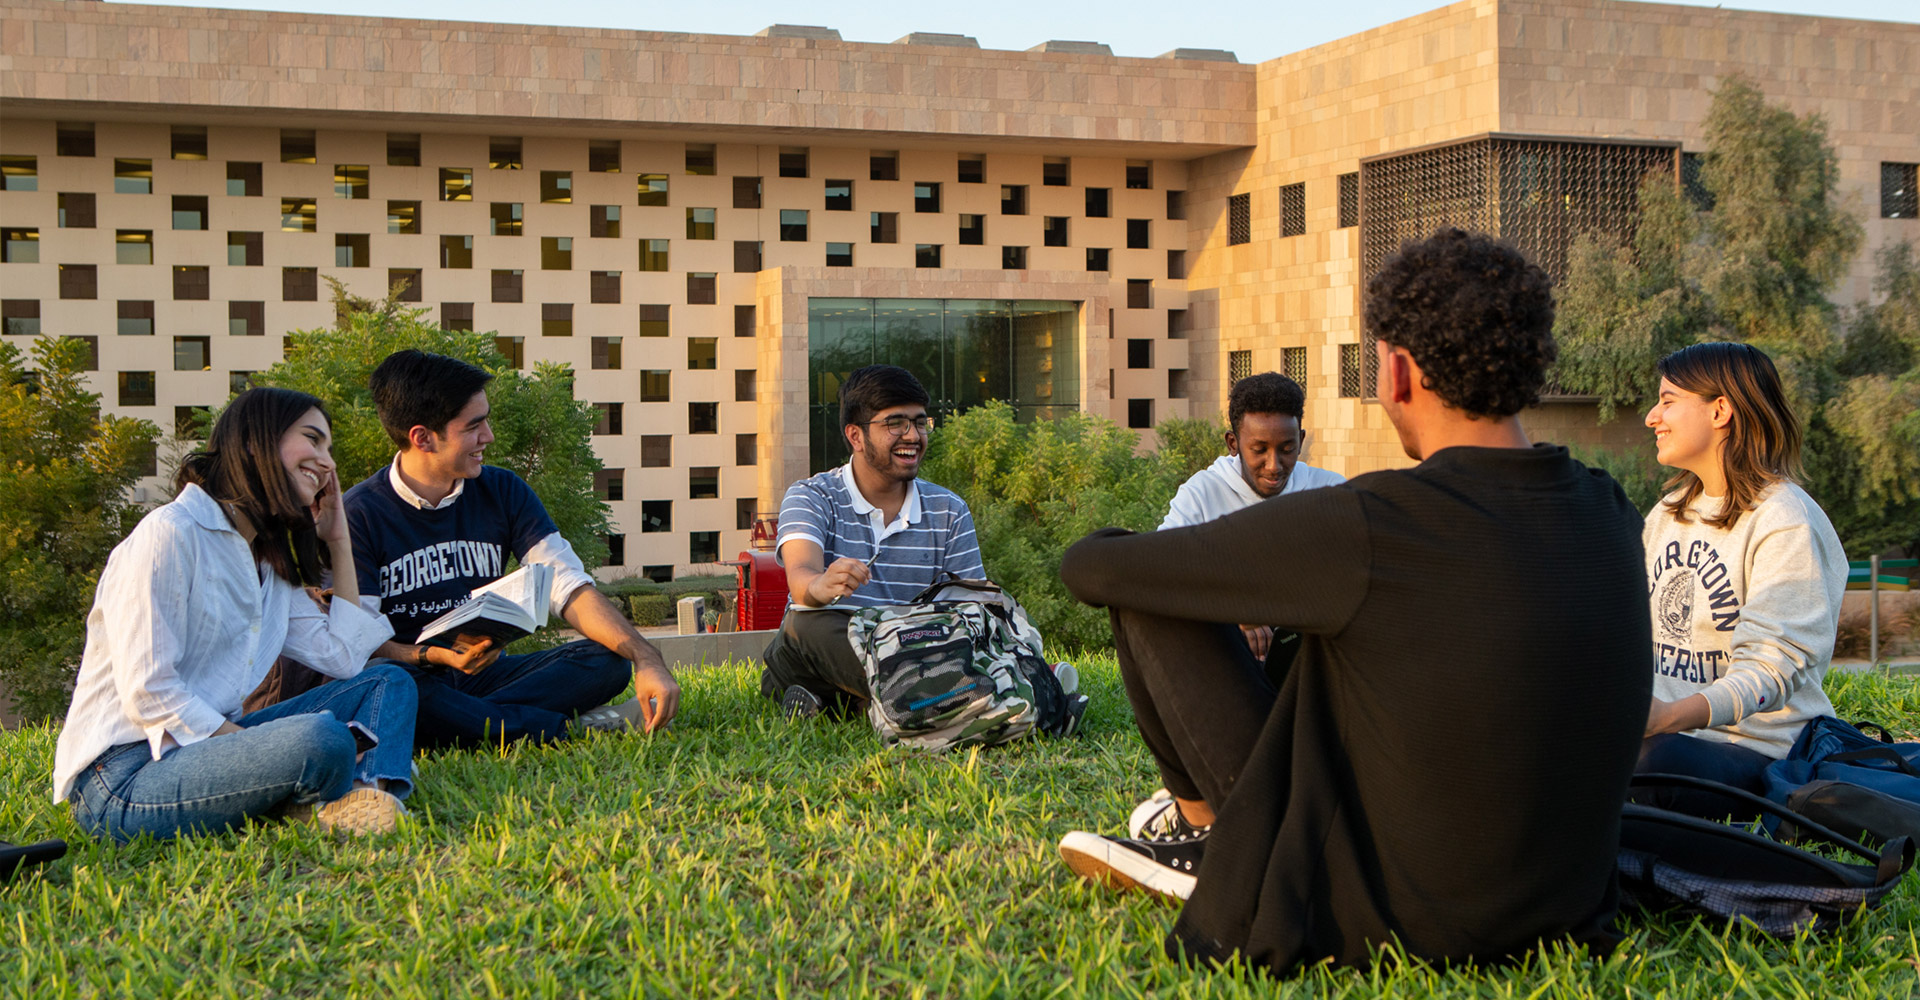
(530, 695)
(1200, 699)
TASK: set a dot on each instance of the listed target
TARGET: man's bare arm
(813, 584)
(658, 694)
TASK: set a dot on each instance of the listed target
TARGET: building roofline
(139, 60)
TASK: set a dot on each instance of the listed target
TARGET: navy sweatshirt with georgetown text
(422, 563)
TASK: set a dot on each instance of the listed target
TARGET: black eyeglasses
(897, 425)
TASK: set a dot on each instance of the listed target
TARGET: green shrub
(64, 478)
(541, 432)
(1036, 488)
(1759, 268)
(649, 610)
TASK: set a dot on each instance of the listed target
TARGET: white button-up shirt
(184, 626)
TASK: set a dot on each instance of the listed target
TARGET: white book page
(530, 587)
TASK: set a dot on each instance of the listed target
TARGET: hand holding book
(468, 654)
(496, 614)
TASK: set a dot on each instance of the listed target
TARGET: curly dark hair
(1267, 392)
(1476, 315)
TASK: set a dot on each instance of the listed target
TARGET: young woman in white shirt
(1744, 577)
(191, 611)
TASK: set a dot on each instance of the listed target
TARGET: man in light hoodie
(1264, 442)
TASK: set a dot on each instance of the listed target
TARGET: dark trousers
(529, 696)
(811, 650)
(1198, 695)
(1678, 753)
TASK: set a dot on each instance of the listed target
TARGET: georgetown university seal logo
(1673, 609)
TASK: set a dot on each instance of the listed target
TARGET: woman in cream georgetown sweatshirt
(1744, 577)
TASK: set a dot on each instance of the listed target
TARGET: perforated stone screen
(1538, 193)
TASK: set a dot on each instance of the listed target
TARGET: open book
(504, 610)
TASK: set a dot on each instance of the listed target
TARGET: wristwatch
(420, 655)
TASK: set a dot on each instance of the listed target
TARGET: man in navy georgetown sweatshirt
(436, 524)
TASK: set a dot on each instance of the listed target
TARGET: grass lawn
(741, 856)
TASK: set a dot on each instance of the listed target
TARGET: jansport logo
(923, 634)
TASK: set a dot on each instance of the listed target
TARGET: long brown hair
(241, 467)
(1763, 438)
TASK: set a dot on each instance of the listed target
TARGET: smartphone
(363, 738)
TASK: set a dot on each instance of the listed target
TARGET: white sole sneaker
(1069, 677)
(1102, 859)
(1143, 814)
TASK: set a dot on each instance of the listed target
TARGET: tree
(1036, 488)
(65, 479)
(540, 431)
(1758, 267)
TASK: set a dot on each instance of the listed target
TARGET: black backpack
(1672, 861)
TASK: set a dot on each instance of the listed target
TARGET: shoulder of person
(934, 497)
(1384, 479)
(1315, 477)
(173, 519)
(173, 526)
(825, 486)
(373, 489)
(1786, 505)
(1219, 472)
(930, 490)
(495, 479)
(1785, 500)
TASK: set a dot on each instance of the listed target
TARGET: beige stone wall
(1544, 67)
(1649, 70)
(1209, 130)
(1425, 79)
(774, 351)
(310, 67)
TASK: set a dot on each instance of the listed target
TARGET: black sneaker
(1076, 711)
(799, 703)
(13, 857)
(1168, 867)
(1158, 818)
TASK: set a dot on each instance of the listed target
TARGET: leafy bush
(540, 431)
(649, 604)
(649, 610)
(677, 588)
(64, 478)
(1757, 268)
(1036, 488)
(1639, 476)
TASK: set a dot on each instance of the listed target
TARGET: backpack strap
(949, 578)
(1878, 731)
(1887, 754)
(1890, 862)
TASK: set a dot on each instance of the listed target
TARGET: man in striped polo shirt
(867, 534)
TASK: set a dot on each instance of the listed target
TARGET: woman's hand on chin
(330, 511)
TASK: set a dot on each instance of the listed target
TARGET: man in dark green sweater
(1444, 762)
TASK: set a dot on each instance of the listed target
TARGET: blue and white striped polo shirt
(933, 532)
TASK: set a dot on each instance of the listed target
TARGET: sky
(1255, 30)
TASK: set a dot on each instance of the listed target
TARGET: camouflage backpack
(959, 666)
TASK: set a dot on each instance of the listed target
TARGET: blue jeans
(528, 696)
(293, 753)
(1678, 753)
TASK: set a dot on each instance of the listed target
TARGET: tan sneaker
(362, 810)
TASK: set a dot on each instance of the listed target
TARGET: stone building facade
(687, 220)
